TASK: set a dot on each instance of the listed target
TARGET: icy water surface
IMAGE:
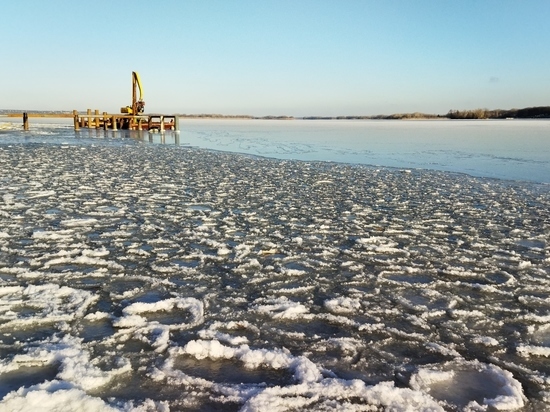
(504, 149)
(151, 277)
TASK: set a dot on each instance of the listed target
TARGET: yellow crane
(138, 106)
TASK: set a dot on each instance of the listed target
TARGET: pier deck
(158, 122)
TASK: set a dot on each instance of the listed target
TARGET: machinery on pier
(130, 117)
(138, 106)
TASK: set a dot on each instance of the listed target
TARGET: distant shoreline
(538, 112)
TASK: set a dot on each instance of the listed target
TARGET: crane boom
(136, 78)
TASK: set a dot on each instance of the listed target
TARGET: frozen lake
(166, 276)
(503, 149)
(506, 149)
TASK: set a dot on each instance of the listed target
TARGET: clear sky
(276, 57)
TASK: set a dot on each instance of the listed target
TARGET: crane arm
(137, 106)
(138, 82)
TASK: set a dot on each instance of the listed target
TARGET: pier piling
(25, 121)
(76, 121)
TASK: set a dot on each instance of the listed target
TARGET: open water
(385, 269)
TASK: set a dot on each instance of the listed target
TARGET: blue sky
(283, 57)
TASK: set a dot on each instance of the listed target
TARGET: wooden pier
(152, 122)
(106, 121)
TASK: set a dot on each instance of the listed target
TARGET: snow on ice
(171, 278)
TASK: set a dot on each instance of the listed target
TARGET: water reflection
(131, 136)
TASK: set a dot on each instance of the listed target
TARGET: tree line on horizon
(537, 112)
(232, 116)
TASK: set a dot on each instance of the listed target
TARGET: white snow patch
(485, 340)
(53, 396)
(495, 387)
(342, 305)
(338, 394)
(303, 369)
(79, 222)
(530, 350)
(74, 362)
(282, 308)
(48, 303)
(153, 332)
